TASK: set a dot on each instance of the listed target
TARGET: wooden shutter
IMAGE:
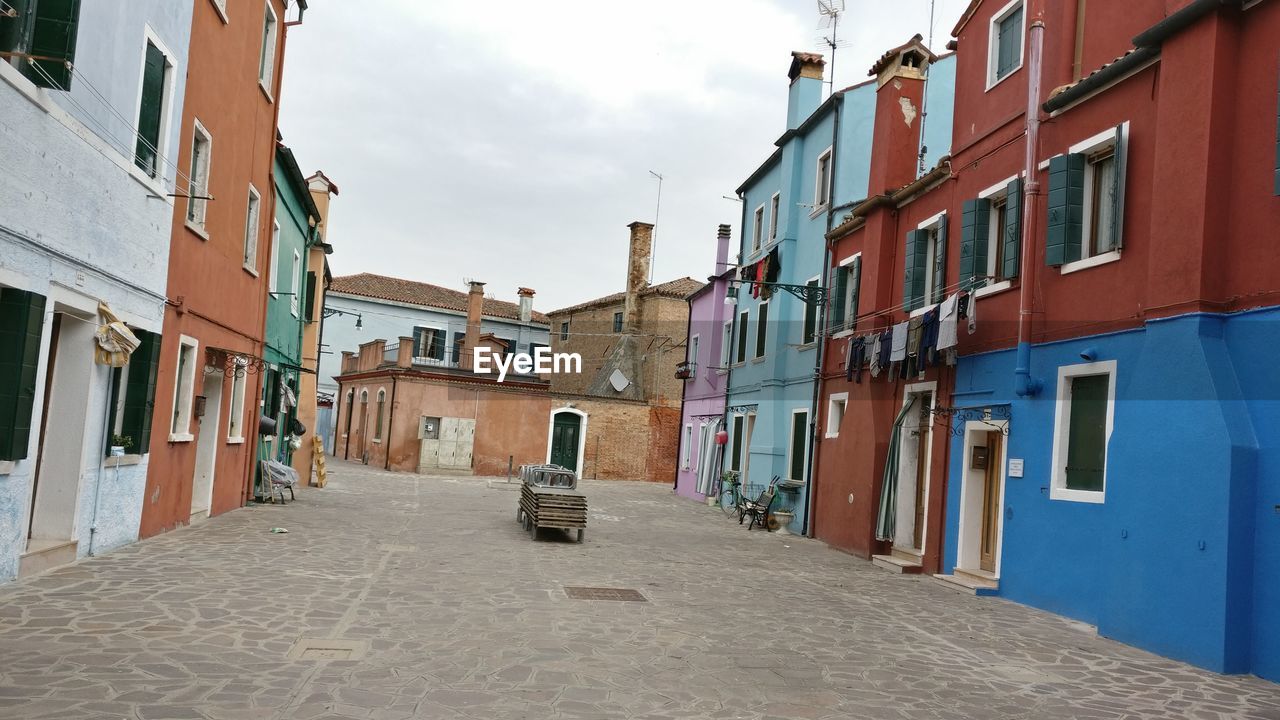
(913, 280)
(1010, 50)
(975, 234)
(1122, 164)
(53, 39)
(21, 322)
(140, 393)
(11, 28)
(1011, 233)
(762, 329)
(145, 154)
(855, 280)
(799, 445)
(1087, 439)
(839, 293)
(1066, 209)
(311, 297)
(939, 268)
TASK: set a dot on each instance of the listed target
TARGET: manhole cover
(597, 593)
(327, 649)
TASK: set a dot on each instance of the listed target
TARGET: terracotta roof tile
(412, 292)
(682, 289)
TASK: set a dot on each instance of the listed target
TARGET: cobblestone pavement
(458, 614)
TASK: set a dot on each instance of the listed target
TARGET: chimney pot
(526, 304)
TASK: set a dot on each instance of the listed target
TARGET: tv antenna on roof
(832, 10)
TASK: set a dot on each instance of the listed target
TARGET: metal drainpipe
(391, 420)
(819, 364)
(1025, 385)
(675, 484)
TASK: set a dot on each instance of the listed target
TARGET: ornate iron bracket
(988, 415)
(232, 363)
(808, 294)
(733, 409)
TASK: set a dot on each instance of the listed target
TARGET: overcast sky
(511, 141)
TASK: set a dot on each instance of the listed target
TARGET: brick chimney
(895, 152)
(637, 272)
(805, 94)
(526, 304)
(723, 234)
(475, 307)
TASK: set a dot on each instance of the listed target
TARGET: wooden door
(565, 431)
(991, 501)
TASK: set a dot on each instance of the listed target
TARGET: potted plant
(782, 516)
(728, 479)
(119, 443)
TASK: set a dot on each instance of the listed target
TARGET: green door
(566, 428)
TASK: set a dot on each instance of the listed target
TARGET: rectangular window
(757, 231)
(235, 423)
(822, 182)
(686, 447)
(151, 110)
(428, 344)
(617, 322)
(139, 393)
(250, 259)
(995, 240)
(377, 423)
(762, 330)
(1086, 202)
(852, 292)
(744, 318)
(21, 325)
(775, 204)
(458, 339)
(799, 451)
(46, 30)
(726, 345)
(180, 427)
(273, 268)
(810, 317)
(1082, 429)
(1006, 42)
(564, 331)
(267, 61)
(198, 178)
(1101, 177)
(692, 359)
(836, 405)
(295, 281)
(735, 455)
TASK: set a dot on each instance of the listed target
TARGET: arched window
(377, 427)
(351, 408)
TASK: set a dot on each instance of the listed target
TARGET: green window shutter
(1009, 54)
(12, 29)
(856, 282)
(53, 36)
(799, 445)
(311, 297)
(140, 393)
(21, 323)
(762, 329)
(839, 291)
(1122, 164)
(149, 111)
(939, 268)
(913, 282)
(1087, 439)
(1011, 234)
(1066, 209)
(975, 232)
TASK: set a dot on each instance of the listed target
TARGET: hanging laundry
(875, 339)
(756, 290)
(948, 318)
(856, 357)
(899, 347)
(774, 269)
(929, 339)
(886, 348)
(848, 359)
(973, 313)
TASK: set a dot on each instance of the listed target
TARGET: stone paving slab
(452, 611)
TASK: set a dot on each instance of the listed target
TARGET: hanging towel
(915, 333)
(759, 278)
(948, 317)
(857, 355)
(929, 339)
(973, 313)
(848, 359)
(875, 339)
(886, 348)
(899, 348)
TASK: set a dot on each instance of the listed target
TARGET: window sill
(806, 347)
(249, 270)
(221, 13)
(1092, 262)
(830, 436)
(123, 461)
(6, 467)
(757, 361)
(841, 335)
(993, 289)
(235, 440)
(819, 211)
(377, 441)
(1092, 497)
(265, 92)
(181, 437)
(993, 83)
(198, 230)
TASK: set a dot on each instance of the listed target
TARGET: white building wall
(79, 224)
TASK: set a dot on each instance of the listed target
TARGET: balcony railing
(686, 370)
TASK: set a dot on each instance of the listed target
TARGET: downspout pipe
(1024, 385)
(391, 419)
(684, 393)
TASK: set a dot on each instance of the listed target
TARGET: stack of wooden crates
(549, 498)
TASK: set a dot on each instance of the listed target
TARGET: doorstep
(901, 563)
(44, 555)
(970, 582)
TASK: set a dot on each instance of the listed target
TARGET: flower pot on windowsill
(784, 518)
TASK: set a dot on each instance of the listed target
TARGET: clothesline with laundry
(911, 346)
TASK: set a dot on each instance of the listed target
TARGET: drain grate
(327, 649)
(599, 593)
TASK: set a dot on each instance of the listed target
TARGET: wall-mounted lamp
(1089, 354)
(731, 295)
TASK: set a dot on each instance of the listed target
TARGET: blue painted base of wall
(1182, 554)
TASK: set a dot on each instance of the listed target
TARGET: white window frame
(564, 331)
(235, 419)
(166, 106)
(692, 355)
(198, 180)
(757, 229)
(726, 351)
(252, 219)
(221, 7)
(791, 444)
(841, 401)
(934, 226)
(847, 300)
(1101, 141)
(295, 280)
(686, 449)
(760, 347)
(442, 334)
(775, 205)
(993, 43)
(1062, 430)
(821, 189)
(273, 271)
(995, 193)
(184, 390)
(379, 405)
(267, 56)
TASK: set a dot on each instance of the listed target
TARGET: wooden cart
(549, 499)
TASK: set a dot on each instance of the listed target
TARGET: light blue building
(365, 307)
(773, 340)
(89, 163)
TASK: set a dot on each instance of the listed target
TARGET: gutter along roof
(680, 289)
(897, 198)
(411, 292)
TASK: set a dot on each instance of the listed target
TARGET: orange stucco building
(205, 420)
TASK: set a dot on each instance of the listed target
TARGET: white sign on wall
(1015, 467)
